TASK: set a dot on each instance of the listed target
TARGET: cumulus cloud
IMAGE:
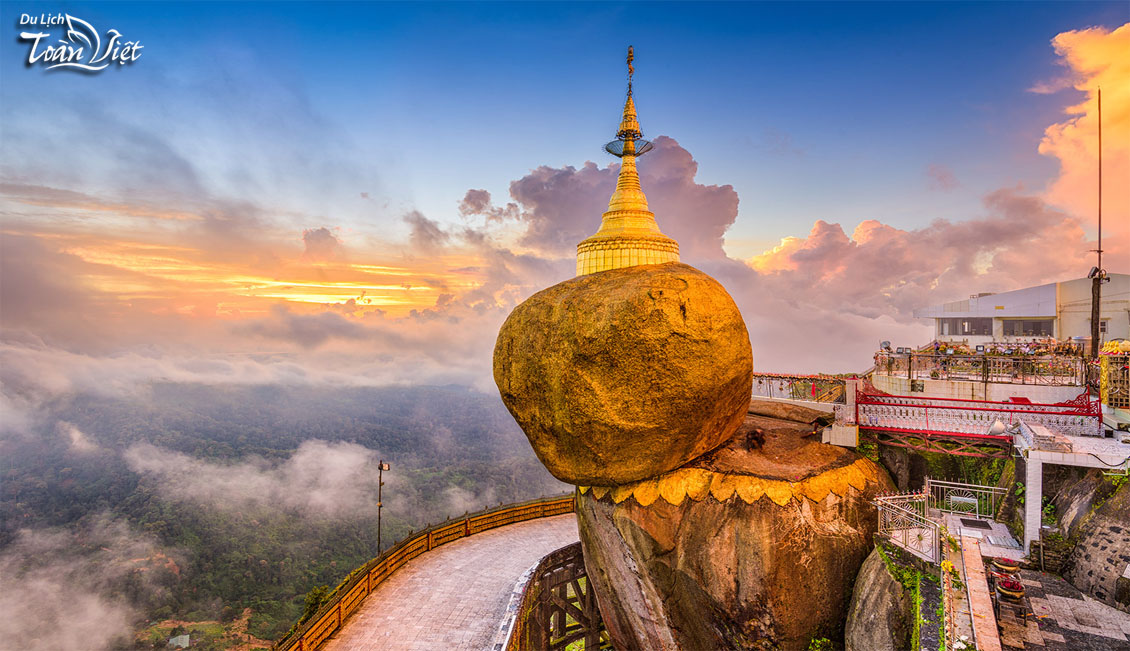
(882, 270)
(426, 235)
(321, 244)
(320, 480)
(38, 291)
(1096, 57)
(306, 330)
(67, 590)
(559, 207)
(220, 306)
(478, 202)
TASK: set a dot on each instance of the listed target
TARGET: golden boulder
(625, 374)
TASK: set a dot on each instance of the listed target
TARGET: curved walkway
(453, 597)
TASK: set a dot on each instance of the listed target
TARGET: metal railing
(970, 499)
(1046, 370)
(1077, 417)
(1047, 441)
(347, 597)
(558, 610)
(1114, 380)
(812, 388)
(903, 521)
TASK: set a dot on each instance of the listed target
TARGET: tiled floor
(456, 596)
(987, 538)
(1057, 617)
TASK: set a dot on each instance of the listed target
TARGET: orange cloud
(1096, 57)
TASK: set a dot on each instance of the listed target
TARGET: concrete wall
(975, 390)
(819, 406)
(1068, 302)
(1028, 302)
(1075, 307)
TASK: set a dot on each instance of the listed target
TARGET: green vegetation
(916, 597)
(869, 449)
(911, 580)
(1048, 512)
(970, 470)
(820, 644)
(940, 614)
(202, 473)
(317, 596)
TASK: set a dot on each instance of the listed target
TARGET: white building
(1059, 310)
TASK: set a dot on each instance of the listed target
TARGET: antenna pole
(1098, 276)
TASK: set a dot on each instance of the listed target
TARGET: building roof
(1036, 301)
(1032, 302)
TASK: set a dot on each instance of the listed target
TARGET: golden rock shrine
(629, 234)
(705, 522)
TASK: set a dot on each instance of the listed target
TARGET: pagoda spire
(628, 234)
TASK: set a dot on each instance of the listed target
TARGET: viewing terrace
(1045, 370)
(506, 578)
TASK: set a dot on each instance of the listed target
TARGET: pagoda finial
(631, 69)
(628, 234)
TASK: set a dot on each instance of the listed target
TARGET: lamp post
(380, 504)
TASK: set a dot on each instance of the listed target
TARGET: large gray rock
(1074, 500)
(879, 615)
(740, 549)
(1100, 558)
(897, 462)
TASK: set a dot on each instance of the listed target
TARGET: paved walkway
(986, 635)
(1055, 616)
(994, 537)
(962, 628)
(453, 597)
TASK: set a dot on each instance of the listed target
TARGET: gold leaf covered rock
(625, 374)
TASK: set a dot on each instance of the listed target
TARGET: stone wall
(1099, 561)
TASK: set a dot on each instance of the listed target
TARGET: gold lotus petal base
(697, 483)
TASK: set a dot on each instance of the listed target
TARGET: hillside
(193, 502)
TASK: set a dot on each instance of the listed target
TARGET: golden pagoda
(628, 234)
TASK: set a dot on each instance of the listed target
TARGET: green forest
(250, 496)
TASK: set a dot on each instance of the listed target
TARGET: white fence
(971, 499)
(902, 519)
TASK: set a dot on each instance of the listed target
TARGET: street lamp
(380, 504)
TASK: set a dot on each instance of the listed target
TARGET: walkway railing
(971, 499)
(813, 388)
(558, 608)
(1077, 417)
(902, 519)
(347, 597)
(1048, 370)
(1114, 380)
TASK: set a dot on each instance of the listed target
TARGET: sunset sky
(361, 192)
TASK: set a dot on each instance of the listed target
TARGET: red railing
(972, 418)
